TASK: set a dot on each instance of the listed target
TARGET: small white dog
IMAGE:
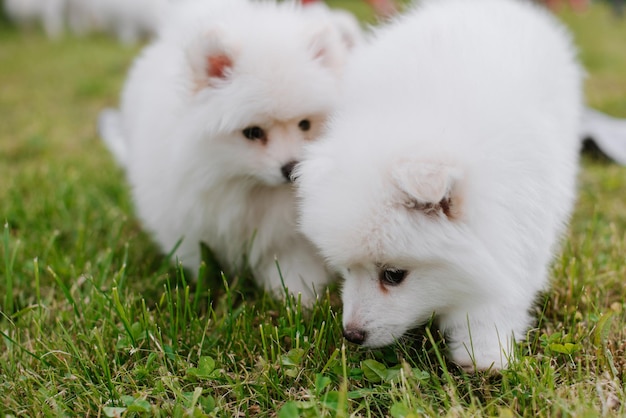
(214, 116)
(447, 176)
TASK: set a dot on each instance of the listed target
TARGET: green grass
(95, 322)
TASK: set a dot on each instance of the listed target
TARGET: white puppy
(448, 174)
(213, 118)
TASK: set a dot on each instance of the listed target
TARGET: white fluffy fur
(453, 155)
(345, 22)
(179, 133)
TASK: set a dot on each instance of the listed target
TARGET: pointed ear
(211, 59)
(429, 187)
(327, 47)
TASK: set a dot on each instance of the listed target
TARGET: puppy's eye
(254, 133)
(304, 125)
(392, 277)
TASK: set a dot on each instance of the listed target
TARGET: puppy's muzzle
(287, 170)
(355, 335)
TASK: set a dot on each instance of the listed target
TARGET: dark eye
(304, 125)
(392, 277)
(254, 133)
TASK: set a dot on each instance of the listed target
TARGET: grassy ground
(94, 321)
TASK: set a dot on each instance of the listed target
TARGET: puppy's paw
(480, 347)
(473, 361)
(296, 271)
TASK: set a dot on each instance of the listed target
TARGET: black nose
(356, 336)
(287, 169)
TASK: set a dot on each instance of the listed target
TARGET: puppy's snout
(287, 170)
(354, 335)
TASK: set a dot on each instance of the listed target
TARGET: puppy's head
(261, 86)
(396, 231)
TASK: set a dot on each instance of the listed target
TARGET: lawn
(94, 321)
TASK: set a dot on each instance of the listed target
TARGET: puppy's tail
(110, 130)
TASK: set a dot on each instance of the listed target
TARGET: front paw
(473, 360)
(485, 339)
(480, 348)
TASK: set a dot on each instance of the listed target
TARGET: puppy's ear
(429, 187)
(211, 59)
(327, 47)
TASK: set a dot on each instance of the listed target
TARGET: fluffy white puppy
(448, 175)
(214, 116)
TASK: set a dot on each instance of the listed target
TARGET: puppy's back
(491, 87)
(469, 57)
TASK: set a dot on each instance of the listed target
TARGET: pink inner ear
(320, 54)
(217, 65)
